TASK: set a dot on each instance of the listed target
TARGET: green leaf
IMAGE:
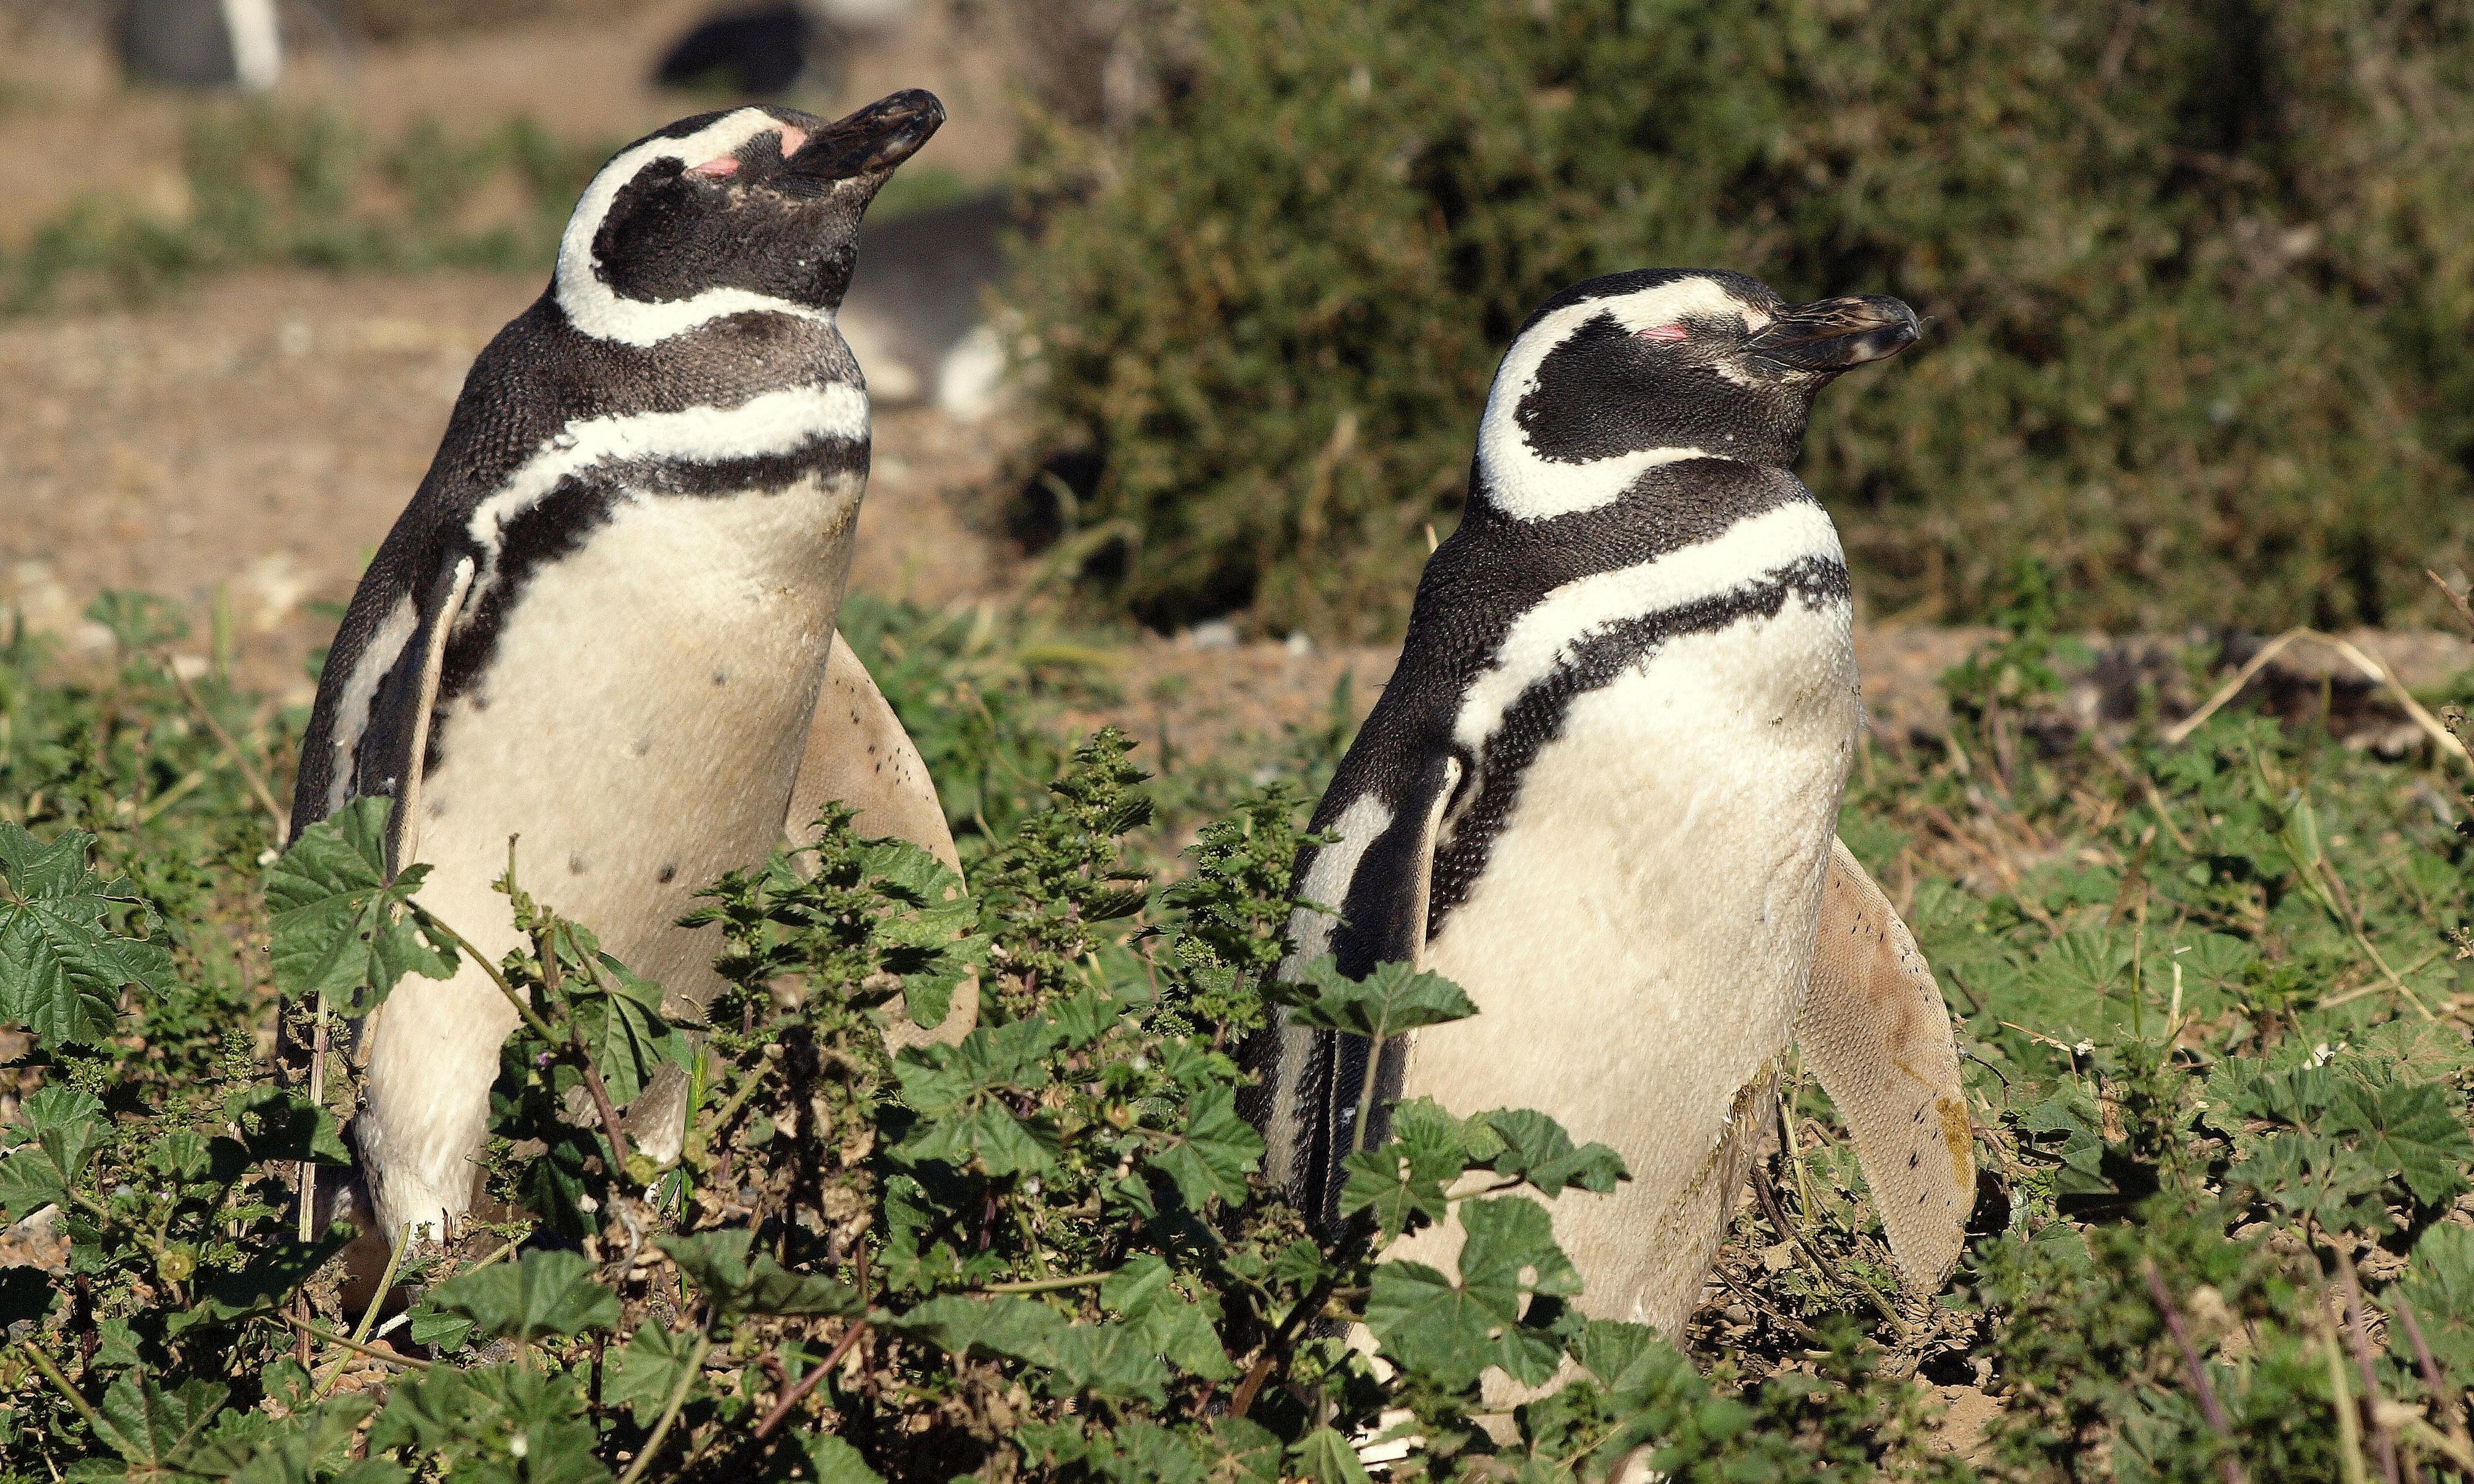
(619, 1015)
(1184, 1332)
(153, 1429)
(1324, 1457)
(1451, 1331)
(1394, 999)
(62, 965)
(280, 1124)
(67, 1127)
(537, 1297)
(640, 1374)
(1005, 1324)
(2439, 1287)
(272, 1276)
(718, 1263)
(833, 1461)
(339, 926)
(1537, 1150)
(1214, 1153)
(2410, 1131)
(493, 1425)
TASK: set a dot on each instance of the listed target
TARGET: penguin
(604, 622)
(1600, 792)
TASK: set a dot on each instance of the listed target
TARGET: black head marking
(1665, 359)
(763, 201)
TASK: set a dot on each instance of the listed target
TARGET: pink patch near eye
(1664, 332)
(714, 169)
(792, 138)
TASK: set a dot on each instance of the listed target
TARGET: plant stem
(669, 1410)
(386, 1280)
(2210, 1407)
(808, 1382)
(2452, 1413)
(330, 1337)
(1047, 1285)
(463, 945)
(2349, 1427)
(275, 814)
(2382, 1443)
(1366, 1098)
(61, 1383)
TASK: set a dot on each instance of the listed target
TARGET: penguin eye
(1664, 333)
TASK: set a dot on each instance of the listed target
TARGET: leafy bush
(2229, 1155)
(2194, 274)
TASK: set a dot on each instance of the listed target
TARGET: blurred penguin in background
(766, 49)
(200, 43)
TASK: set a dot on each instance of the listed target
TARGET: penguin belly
(638, 727)
(1638, 943)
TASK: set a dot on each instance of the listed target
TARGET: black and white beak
(1831, 335)
(874, 138)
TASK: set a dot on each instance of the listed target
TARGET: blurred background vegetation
(2199, 276)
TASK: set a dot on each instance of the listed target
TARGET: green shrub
(2208, 994)
(2197, 281)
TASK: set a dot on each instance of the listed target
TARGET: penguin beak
(1832, 335)
(872, 140)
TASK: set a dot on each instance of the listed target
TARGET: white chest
(1639, 938)
(641, 721)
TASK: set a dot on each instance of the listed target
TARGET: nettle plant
(1043, 1251)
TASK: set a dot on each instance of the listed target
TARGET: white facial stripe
(592, 308)
(1327, 881)
(1551, 631)
(361, 691)
(774, 422)
(1530, 488)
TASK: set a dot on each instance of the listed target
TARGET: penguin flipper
(859, 754)
(1876, 1031)
(1364, 899)
(388, 739)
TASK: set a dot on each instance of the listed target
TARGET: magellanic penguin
(1600, 792)
(604, 622)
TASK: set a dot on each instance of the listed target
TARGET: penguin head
(749, 209)
(1634, 369)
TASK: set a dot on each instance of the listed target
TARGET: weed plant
(2211, 997)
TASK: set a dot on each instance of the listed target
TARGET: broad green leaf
(67, 1127)
(2410, 1131)
(2440, 1287)
(499, 1425)
(1537, 1150)
(277, 1123)
(1394, 999)
(312, 1446)
(1004, 1325)
(1451, 1331)
(537, 1297)
(1180, 1329)
(1214, 1153)
(339, 926)
(719, 1265)
(1324, 1457)
(1107, 1360)
(153, 1429)
(62, 964)
(271, 1274)
(640, 1374)
(619, 1015)
(831, 1460)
